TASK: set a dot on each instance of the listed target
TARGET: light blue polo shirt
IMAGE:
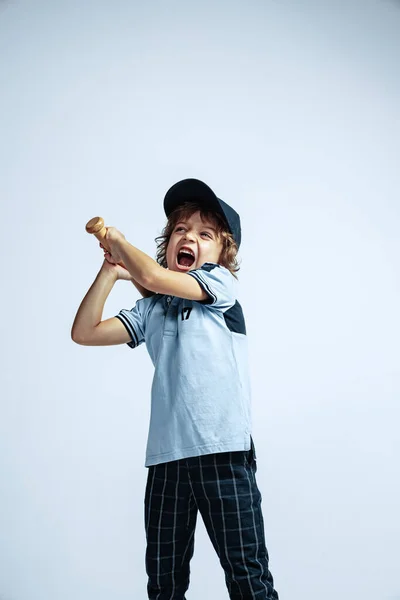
(200, 398)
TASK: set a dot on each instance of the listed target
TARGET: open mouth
(185, 258)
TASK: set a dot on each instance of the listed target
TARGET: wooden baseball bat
(97, 228)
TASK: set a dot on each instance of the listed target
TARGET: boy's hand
(113, 239)
(111, 265)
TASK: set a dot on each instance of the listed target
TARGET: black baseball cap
(194, 190)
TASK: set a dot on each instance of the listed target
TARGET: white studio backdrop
(290, 111)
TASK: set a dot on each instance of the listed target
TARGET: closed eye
(206, 233)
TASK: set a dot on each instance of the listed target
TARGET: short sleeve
(134, 322)
(218, 282)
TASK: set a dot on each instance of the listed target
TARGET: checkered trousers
(223, 488)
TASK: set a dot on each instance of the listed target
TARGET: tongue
(186, 261)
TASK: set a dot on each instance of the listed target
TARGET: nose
(189, 236)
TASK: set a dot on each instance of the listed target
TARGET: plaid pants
(223, 488)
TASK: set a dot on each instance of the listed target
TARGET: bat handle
(96, 227)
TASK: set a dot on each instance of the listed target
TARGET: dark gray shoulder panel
(208, 267)
(234, 319)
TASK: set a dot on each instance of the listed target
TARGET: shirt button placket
(170, 324)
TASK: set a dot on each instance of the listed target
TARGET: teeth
(186, 251)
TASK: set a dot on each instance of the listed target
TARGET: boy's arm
(142, 290)
(88, 329)
(149, 274)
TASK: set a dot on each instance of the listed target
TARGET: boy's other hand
(111, 265)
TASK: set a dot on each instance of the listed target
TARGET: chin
(181, 269)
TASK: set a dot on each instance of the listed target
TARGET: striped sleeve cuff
(205, 286)
(130, 329)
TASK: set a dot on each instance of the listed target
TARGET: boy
(200, 453)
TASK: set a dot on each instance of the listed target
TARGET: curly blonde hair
(228, 258)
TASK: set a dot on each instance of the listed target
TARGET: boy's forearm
(91, 308)
(142, 290)
(142, 267)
